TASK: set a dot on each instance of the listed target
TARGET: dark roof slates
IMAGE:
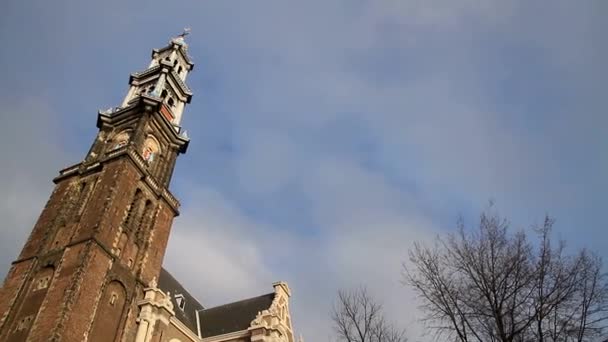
(167, 282)
(233, 317)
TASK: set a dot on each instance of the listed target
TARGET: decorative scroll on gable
(274, 323)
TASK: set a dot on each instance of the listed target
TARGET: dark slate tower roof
(232, 317)
(187, 315)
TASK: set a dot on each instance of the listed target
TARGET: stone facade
(89, 267)
(158, 322)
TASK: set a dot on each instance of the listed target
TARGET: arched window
(171, 102)
(83, 196)
(143, 220)
(106, 325)
(164, 93)
(133, 207)
(179, 71)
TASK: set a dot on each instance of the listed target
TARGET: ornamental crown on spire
(180, 39)
(164, 79)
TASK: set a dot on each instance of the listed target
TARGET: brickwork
(101, 237)
(130, 322)
(15, 282)
(107, 323)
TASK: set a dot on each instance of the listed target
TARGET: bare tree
(357, 317)
(490, 285)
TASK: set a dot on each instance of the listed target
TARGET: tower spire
(165, 79)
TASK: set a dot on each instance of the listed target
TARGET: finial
(153, 283)
(180, 37)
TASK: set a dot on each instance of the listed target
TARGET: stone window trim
(24, 323)
(181, 301)
(42, 283)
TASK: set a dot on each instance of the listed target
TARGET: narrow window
(171, 102)
(122, 242)
(143, 220)
(82, 197)
(133, 207)
(164, 93)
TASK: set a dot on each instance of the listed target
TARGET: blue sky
(327, 136)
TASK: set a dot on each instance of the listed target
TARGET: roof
(167, 282)
(182, 49)
(233, 317)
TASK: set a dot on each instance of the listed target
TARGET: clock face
(150, 149)
(121, 140)
(148, 155)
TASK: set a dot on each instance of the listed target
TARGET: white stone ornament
(153, 283)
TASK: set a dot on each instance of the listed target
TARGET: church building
(91, 269)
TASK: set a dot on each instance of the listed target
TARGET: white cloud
(214, 251)
(381, 116)
(31, 156)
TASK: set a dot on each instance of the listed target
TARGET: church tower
(101, 237)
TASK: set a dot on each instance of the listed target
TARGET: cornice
(141, 74)
(137, 160)
(184, 87)
(179, 49)
(144, 103)
(152, 73)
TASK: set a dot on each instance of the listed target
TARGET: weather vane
(185, 32)
(180, 38)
